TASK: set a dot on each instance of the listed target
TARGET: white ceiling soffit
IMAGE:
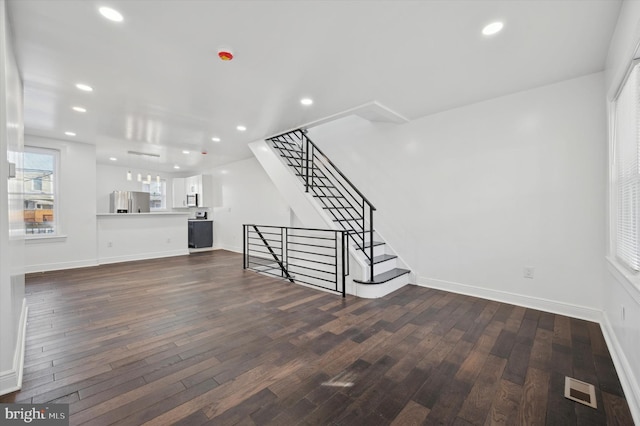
(160, 87)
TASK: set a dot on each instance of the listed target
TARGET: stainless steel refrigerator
(129, 202)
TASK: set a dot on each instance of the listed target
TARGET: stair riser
(377, 250)
(385, 266)
(380, 290)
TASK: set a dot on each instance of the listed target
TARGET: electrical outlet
(528, 272)
(109, 244)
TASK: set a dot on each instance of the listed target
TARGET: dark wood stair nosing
(385, 276)
(382, 258)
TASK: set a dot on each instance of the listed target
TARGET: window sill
(629, 281)
(45, 239)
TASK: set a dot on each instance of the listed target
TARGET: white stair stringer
(311, 214)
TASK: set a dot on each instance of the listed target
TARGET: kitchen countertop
(195, 219)
(144, 214)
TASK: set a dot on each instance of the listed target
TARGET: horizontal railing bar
(320, 286)
(335, 179)
(262, 267)
(308, 252)
(311, 261)
(267, 233)
(266, 239)
(311, 276)
(263, 252)
(255, 259)
(340, 173)
(312, 237)
(293, 227)
(311, 245)
(324, 271)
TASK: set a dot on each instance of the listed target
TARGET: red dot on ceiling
(225, 56)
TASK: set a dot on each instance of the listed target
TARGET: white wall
(12, 306)
(77, 210)
(621, 290)
(246, 195)
(470, 196)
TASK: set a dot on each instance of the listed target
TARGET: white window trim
(57, 235)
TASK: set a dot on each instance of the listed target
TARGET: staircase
(347, 208)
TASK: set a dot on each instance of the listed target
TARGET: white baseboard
(230, 248)
(44, 267)
(625, 372)
(143, 256)
(575, 311)
(11, 380)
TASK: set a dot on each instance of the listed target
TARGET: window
(40, 171)
(157, 194)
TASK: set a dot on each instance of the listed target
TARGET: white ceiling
(159, 86)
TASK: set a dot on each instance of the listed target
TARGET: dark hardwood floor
(196, 340)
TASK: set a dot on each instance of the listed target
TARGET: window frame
(163, 194)
(57, 223)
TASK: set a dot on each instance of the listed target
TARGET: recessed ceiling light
(69, 133)
(185, 152)
(215, 139)
(241, 128)
(176, 167)
(79, 109)
(111, 14)
(224, 172)
(492, 28)
(84, 87)
(113, 159)
(306, 101)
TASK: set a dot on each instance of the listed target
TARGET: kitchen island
(124, 237)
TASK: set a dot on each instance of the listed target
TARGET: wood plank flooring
(194, 340)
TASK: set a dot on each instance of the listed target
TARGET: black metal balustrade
(316, 257)
(343, 201)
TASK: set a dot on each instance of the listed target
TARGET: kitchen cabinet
(184, 190)
(179, 197)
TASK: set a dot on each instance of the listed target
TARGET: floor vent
(581, 392)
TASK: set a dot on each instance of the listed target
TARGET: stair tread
(355, 219)
(385, 276)
(375, 243)
(383, 258)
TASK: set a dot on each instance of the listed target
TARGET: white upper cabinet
(179, 193)
(193, 191)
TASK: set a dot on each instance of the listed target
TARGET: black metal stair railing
(348, 207)
(316, 257)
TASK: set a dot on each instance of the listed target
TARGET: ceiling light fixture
(176, 167)
(113, 159)
(185, 152)
(492, 28)
(111, 14)
(215, 139)
(241, 128)
(306, 101)
(69, 133)
(79, 109)
(84, 87)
